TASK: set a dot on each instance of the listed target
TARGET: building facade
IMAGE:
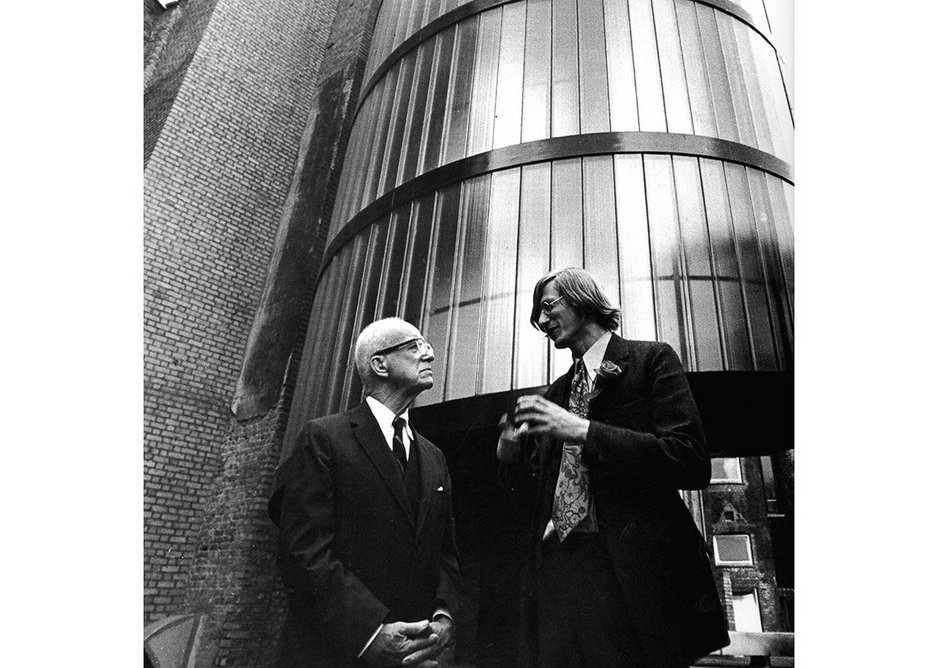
(449, 154)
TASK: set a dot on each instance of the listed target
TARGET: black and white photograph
(381, 239)
(461, 334)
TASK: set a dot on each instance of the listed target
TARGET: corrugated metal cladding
(699, 249)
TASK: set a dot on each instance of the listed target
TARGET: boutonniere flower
(606, 371)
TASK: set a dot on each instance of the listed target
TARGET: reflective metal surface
(493, 72)
(649, 141)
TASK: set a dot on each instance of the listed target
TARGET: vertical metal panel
(781, 217)
(535, 108)
(341, 206)
(440, 297)
(416, 16)
(376, 51)
(429, 6)
(755, 9)
(365, 309)
(623, 106)
(673, 81)
(695, 242)
(417, 107)
(651, 116)
(328, 347)
(400, 28)
(566, 192)
(780, 309)
(431, 11)
(485, 77)
(462, 357)
(533, 262)
(432, 139)
(594, 92)
(637, 293)
(716, 73)
(750, 269)
(501, 258)
(599, 222)
(417, 264)
(307, 386)
(565, 104)
(507, 120)
(457, 107)
(345, 336)
(698, 85)
(772, 88)
(362, 160)
(666, 254)
(752, 85)
(383, 121)
(390, 295)
(723, 246)
(738, 96)
(397, 122)
(566, 236)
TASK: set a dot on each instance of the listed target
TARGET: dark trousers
(582, 617)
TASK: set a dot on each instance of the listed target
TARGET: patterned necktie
(571, 496)
(398, 443)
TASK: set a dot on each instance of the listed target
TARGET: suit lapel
(427, 478)
(369, 436)
(617, 352)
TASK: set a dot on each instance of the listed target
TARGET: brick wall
(214, 189)
(170, 40)
(233, 574)
(748, 502)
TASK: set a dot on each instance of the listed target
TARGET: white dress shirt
(385, 417)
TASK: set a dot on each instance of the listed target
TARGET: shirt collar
(593, 358)
(385, 418)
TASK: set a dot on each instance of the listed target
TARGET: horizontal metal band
(557, 148)
(477, 6)
(438, 24)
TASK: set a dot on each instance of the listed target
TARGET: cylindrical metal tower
(649, 141)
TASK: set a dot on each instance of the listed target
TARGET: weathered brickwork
(733, 508)
(170, 40)
(234, 574)
(214, 189)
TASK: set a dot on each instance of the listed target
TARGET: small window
(746, 612)
(725, 469)
(732, 550)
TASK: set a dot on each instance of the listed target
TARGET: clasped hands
(414, 644)
(534, 414)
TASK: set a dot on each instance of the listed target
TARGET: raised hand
(545, 417)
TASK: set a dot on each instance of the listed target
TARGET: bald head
(377, 336)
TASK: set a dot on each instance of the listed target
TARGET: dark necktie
(571, 495)
(398, 443)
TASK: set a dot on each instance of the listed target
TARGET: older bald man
(367, 544)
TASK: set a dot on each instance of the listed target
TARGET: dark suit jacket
(645, 443)
(353, 554)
